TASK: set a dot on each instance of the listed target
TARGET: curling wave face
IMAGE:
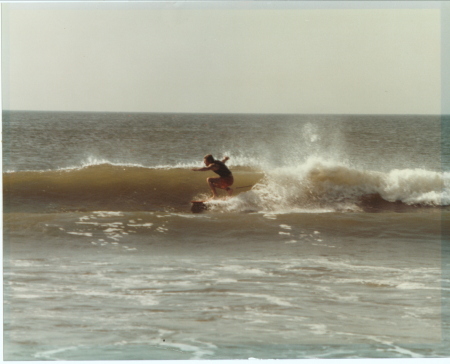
(312, 186)
(107, 187)
(320, 185)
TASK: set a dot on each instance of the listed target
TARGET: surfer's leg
(211, 181)
(223, 183)
(226, 183)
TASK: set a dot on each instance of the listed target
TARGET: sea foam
(324, 185)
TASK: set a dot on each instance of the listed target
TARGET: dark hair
(209, 158)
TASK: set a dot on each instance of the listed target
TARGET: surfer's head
(208, 159)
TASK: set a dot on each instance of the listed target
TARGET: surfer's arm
(209, 168)
(225, 159)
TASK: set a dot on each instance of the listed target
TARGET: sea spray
(330, 186)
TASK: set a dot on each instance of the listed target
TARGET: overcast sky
(214, 57)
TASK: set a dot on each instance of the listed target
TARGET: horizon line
(220, 113)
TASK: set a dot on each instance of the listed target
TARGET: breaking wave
(315, 184)
(318, 185)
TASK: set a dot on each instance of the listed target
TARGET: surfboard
(201, 205)
(198, 206)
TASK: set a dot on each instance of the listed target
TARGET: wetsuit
(226, 177)
(223, 170)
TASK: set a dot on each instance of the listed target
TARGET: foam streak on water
(133, 271)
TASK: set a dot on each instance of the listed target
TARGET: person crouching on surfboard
(225, 179)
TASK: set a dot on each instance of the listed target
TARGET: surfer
(225, 179)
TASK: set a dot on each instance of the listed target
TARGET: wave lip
(239, 163)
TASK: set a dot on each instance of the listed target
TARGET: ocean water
(334, 245)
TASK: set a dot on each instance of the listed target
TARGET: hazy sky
(214, 57)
